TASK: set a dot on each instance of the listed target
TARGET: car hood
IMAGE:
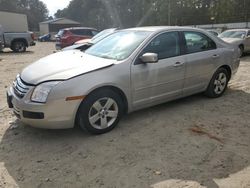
(62, 66)
(77, 46)
(232, 40)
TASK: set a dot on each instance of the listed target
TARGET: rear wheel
(218, 83)
(18, 46)
(100, 112)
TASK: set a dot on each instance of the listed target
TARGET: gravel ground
(192, 142)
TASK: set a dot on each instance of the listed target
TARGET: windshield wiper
(106, 57)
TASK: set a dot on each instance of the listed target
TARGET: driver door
(154, 83)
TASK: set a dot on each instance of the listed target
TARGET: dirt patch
(150, 148)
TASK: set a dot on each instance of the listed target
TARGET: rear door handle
(178, 64)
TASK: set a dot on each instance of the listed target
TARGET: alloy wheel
(103, 113)
(220, 83)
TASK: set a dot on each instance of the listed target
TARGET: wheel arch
(228, 68)
(241, 45)
(19, 39)
(110, 87)
(118, 91)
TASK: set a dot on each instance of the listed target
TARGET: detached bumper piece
(33, 115)
(9, 100)
(33, 43)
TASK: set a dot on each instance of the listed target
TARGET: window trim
(181, 46)
(185, 42)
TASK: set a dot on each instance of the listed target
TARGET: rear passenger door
(201, 56)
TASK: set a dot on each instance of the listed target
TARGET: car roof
(237, 30)
(162, 28)
(75, 28)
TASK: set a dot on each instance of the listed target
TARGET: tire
(218, 83)
(18, 46)
(100, 112)
(241, 50)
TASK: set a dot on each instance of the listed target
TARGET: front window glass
(233, 34)
(165, 45)
(118, 46)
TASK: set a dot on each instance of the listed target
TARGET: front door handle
(215, 56)
(178, 64)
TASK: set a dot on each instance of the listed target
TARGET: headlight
(41, 92)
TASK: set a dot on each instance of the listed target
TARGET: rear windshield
(85, 32)
(233, 34)
(60, 33)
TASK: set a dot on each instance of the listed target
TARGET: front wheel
(100, 112)
(218, 83)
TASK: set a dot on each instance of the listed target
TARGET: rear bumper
(61, 44)
(58, 46)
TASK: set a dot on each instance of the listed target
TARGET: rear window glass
(198, 42)
(82, 32)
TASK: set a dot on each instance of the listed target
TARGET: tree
(130, 13)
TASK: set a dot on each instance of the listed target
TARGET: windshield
(102, 35)
(119, 45)
(233, 34)
(60, 33)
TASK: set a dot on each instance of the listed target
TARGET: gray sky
(54, 5)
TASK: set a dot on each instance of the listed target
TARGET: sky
(54, 5)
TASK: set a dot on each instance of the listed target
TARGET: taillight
(33, 36)
(66, 34)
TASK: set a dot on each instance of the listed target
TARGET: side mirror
(149, 58)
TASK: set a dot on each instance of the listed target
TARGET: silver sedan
(239, 38)
(127, 71)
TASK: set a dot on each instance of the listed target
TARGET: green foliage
(129, 13)
(35, 10)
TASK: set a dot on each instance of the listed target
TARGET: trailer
(13, 22)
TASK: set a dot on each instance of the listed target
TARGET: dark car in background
(67, 37)
(45, 38)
